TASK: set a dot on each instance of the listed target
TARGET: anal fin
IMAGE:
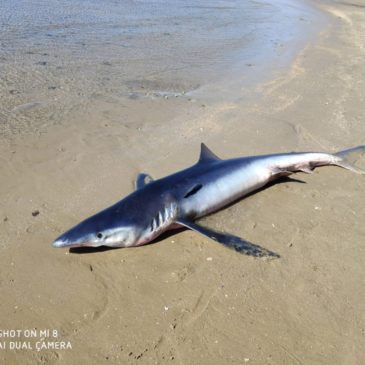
(233, 242)
(306, 169)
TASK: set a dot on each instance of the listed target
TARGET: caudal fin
(348, 157)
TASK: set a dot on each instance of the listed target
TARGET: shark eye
(99, 235)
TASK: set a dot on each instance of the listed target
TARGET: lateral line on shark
(185, 196)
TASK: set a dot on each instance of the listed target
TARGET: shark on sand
(178, 200)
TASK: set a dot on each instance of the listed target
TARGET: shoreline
(111, 305)
(43, 86)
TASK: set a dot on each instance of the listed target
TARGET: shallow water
(57, 55)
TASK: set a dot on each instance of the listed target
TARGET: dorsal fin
(142, 180)
(206, 155)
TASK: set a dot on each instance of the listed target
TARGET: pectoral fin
(142, 180)
(230, 241)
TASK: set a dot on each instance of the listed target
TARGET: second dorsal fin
(206, 155)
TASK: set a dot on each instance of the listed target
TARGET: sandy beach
(74, 133)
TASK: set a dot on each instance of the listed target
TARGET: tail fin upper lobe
(348, 157)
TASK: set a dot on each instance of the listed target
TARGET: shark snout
(62, 242)
(69, 240)
(59, 243)
(65, 241)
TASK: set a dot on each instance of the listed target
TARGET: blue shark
(180, 199)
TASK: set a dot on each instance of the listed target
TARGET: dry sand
(185, 299)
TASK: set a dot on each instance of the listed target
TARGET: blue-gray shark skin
(181, 198)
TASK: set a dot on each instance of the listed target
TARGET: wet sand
(185, 299)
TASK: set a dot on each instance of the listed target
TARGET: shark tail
(347, 158)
